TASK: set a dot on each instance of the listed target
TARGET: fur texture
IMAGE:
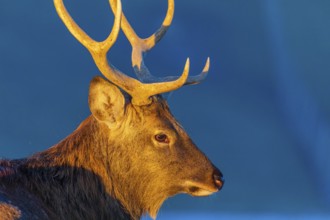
(111, 167)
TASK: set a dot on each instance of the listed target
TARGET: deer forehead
(156, 116)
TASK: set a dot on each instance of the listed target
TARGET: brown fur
(9, 212)
(107, 169)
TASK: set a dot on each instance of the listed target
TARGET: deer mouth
(200, 189)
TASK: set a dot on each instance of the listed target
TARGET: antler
(141, 46)
(139, 92)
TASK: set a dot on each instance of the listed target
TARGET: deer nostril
(218, 179)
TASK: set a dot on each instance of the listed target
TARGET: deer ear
(106, 101)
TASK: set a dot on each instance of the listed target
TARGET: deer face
(172, 155)
(156, 148)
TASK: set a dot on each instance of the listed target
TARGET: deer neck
(76, 169)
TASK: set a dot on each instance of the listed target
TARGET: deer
(126, 158)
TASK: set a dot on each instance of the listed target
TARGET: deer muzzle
(209, 184)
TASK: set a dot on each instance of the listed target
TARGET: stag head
(158, 158)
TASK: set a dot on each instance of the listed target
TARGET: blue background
(262, 115)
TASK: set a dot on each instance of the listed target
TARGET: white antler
(139, 92)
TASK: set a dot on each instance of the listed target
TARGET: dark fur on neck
(71, 179)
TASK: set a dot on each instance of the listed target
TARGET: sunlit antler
(139, 92)
(140, 46)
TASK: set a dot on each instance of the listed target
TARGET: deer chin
(199, 189)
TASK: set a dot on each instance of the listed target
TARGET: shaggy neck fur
(78, 178)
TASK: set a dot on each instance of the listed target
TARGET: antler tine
(139, 92)
(141, 46)
(192, 80)
(91, 45)
(97, 49)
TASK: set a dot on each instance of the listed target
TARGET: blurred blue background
(262, 115)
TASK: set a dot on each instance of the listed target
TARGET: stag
(126, 158)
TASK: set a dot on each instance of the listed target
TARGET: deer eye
(162, 138)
